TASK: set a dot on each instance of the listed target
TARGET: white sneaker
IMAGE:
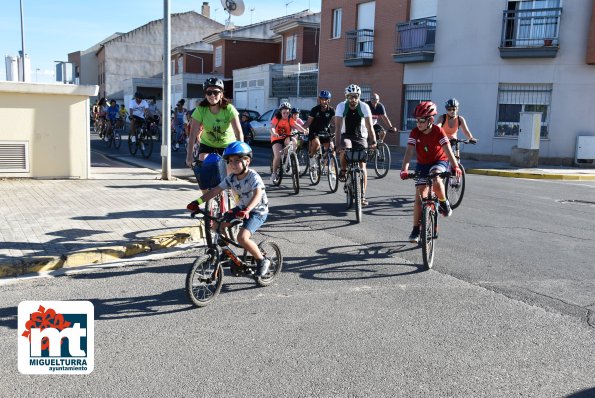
(176, 146)
(106, 139)
(274, 177)
(312, 162)
(133, 139)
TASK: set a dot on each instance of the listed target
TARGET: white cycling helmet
(285, 105)
(353, 89)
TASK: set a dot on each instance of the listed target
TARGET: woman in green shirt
(217, 121)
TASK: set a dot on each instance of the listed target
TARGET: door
(256, 99)
(240, 99)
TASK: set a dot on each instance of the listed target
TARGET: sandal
(342, 177)
(364, 202)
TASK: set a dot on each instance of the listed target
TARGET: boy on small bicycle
(253, 202)
(433, 155)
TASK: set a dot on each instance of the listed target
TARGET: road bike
(455, 186)
(326, 163)
(429, 217)
(354, 180)
(141, 139)
(289, 165)
(205, 278)
(380, 156)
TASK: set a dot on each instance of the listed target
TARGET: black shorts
(323, 136)
(204, 148)
(354, 141)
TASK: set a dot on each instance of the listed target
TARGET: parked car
(251, 113)
(261, 127)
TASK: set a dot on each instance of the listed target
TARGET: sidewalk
(125, 210)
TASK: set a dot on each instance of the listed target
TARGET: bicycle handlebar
(219, 220)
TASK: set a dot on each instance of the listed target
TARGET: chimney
(205, 10)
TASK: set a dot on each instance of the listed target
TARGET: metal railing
(294, 80)
(531, 28)
(359, 44)
(415, 35)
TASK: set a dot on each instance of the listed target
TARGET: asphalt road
(506, 311)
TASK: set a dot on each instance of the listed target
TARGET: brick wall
(241, 54)
(384, 76)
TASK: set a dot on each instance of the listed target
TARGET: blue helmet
(325, 94)
(238, 148)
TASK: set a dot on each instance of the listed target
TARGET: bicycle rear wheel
(455, 188)
(132, 146)
(270, 250)
(382, 160)
(295, 173)
(315, 171)
(146, 145)
(303, 160)
(204, 280)
(333, 173)
(117, 139)
(428, 228)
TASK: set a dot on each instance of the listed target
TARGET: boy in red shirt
(433, 155)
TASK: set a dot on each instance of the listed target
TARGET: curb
(534, 176)
(102, 255)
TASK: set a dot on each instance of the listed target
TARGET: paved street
(507, 310)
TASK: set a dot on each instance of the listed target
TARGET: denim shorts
(251, 224)
(425, 169)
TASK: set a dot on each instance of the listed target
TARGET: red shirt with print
(428, 146)
(282, 127)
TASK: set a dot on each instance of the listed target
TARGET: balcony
(530, 33)
(359, 47)
(415, 40)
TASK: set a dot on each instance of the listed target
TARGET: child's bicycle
(289, 165)
(205, 278)
(455, 187)
(429, 217)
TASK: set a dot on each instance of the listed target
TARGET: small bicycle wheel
(427, 235)
(382, 160)
(132, 146)
(315, 171)
(303, 160)
(204, 280)
(146, 145)
(333, 173)
(270, 250)
(358, 189)
(117, 138)
(295, 173)
(455, 188)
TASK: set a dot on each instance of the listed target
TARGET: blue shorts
(251, 224)
(425, 169)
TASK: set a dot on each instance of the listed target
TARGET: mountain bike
(381, 158)
(205, 278)
(302, 153)
(326, 164)
(354, 182)
(113, 138)
(141, 139)
(289, 165)
(429, 217)
(455, 187)
(182, 141)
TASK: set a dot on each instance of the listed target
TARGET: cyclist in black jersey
(319, 121)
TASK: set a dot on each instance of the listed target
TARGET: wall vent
(14, 156)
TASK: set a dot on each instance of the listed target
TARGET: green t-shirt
(217, 132)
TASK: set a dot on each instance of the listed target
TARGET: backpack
(443, 118)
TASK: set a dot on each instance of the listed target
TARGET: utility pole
(166, 103)
(22, 41)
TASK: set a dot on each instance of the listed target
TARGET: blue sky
(54, 28)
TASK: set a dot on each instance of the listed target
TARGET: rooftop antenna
(286, 4)
(251, 12)
(232, 7)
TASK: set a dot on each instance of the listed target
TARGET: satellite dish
(233, 7)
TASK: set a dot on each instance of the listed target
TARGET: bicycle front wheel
(295, 173)
(333, 173)
(428, 228)
(146, 145)
(117, 139)
(455, 188)
(382, 160)
(270, 250)
(132, 146)
(204, 280)
(315, 171)
(303, 160)
(358, 189)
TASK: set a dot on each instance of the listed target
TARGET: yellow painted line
(534, 176)
(102, 255)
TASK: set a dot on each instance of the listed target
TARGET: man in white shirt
(138, 109)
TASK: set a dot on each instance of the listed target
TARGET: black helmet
(451, 103)
(213, 82)
(295, 110)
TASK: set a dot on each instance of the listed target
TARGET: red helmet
(425, 109)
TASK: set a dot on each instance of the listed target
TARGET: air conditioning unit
(585, 150)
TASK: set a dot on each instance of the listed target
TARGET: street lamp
(36, 70)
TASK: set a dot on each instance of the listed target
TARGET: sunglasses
(352, 96)
(451, 109)
(213, 92)
(421, 120)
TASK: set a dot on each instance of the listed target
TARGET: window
(516, 98)
(336, 28)
(414, 94)
(290, 48)
(366, 92)
(218, 56)
(532, 22)
(181, 65)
